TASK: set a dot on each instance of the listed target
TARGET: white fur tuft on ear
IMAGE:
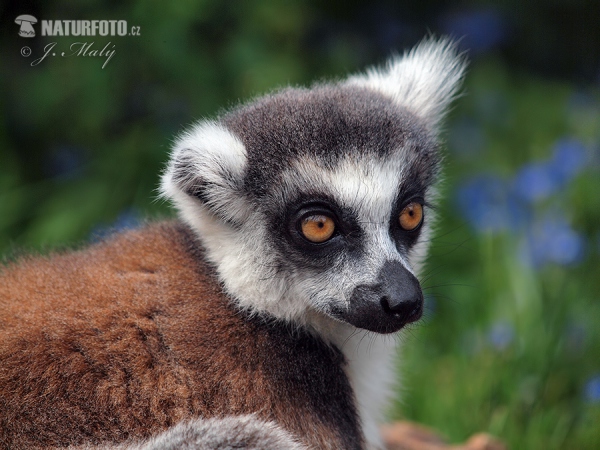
(425, 79)
(206, 168)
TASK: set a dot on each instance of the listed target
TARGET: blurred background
(511, 339)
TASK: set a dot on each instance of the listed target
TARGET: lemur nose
(401, 293)
(394, 300)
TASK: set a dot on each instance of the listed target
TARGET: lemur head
(317, 200)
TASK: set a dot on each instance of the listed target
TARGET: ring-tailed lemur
(304, 222)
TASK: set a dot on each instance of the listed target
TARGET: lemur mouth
(380, 319)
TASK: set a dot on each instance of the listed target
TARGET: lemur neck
(370, 367)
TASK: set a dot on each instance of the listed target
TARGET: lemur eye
(317, 228)
(411, 216)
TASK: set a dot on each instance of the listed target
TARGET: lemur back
(305, 218)
(135, 335)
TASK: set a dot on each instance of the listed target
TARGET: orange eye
(411, 216)
(317, 228)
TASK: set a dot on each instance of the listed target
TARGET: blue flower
(501, 335)
(569, 158)
(539, 180)
(536, 181)
(592, 389)
(552, 240)
(488, 205)
(482, 201)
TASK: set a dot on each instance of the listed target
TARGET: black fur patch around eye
(348, 237)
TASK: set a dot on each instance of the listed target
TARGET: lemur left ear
(425, 79)
(206, 169)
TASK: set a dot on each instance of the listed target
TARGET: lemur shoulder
(304, 222)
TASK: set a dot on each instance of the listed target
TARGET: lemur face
(317, 200)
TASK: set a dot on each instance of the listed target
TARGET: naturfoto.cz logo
(81, 48)
(75, 27)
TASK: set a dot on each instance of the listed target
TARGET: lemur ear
(207, 168)
(424, 80)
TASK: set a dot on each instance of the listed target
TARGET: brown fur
(129, 337)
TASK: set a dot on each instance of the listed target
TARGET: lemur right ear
(424, 80)
(207, 168)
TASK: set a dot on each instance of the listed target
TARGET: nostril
(395, 307)
(385, 304)
(409, 309)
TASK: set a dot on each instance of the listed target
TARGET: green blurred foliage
(81, 149)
